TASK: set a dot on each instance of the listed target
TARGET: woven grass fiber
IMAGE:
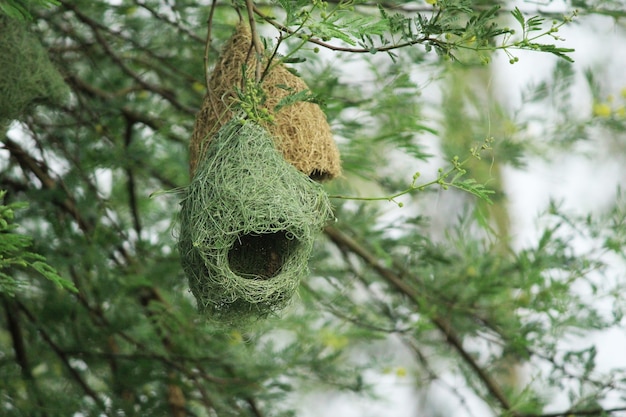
(301, 130)
(247, 225)
(27, 75)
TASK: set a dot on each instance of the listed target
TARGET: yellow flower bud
(601, 110)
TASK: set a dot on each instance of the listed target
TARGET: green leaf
(19, 9)
(50, 273)
(471, 186)
(15, 252)
(304, 95)
(15, 10)
(293, 60)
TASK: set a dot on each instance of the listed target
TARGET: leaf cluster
(451, 27)
(21, 9)
(15, 254)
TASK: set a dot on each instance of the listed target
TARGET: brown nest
(301, 131)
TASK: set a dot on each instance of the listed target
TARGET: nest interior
(261, 256)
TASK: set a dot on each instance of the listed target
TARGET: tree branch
(95, 28)
(337, 48)
(164, 18)
(151, 122)
(130, 184)
(443, 325)
(63, 357)
(15, 330)
(18, 340)
(175, 396)
(67, 204)
(30, 164)
(432, 375)
(256, 412)
(164, 61)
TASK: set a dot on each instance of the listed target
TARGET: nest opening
(247, 225)
(261, 256)
(320, 175)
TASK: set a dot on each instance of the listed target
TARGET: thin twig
(271, 58)
(152, 122)
(354, 320)
(175, 395)
(254, 408)
(256, 42)
(207, 45)
(432, 375)
(166, 94)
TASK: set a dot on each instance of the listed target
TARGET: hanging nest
(247, 225)
(301, 131)
(28, 77)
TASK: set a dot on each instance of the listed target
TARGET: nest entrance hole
(261, 256)
(318, 175)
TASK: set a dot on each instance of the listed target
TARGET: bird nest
(300, 130)
(247, 225)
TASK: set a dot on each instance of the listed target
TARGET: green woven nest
(247, 225)
(27, 75)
